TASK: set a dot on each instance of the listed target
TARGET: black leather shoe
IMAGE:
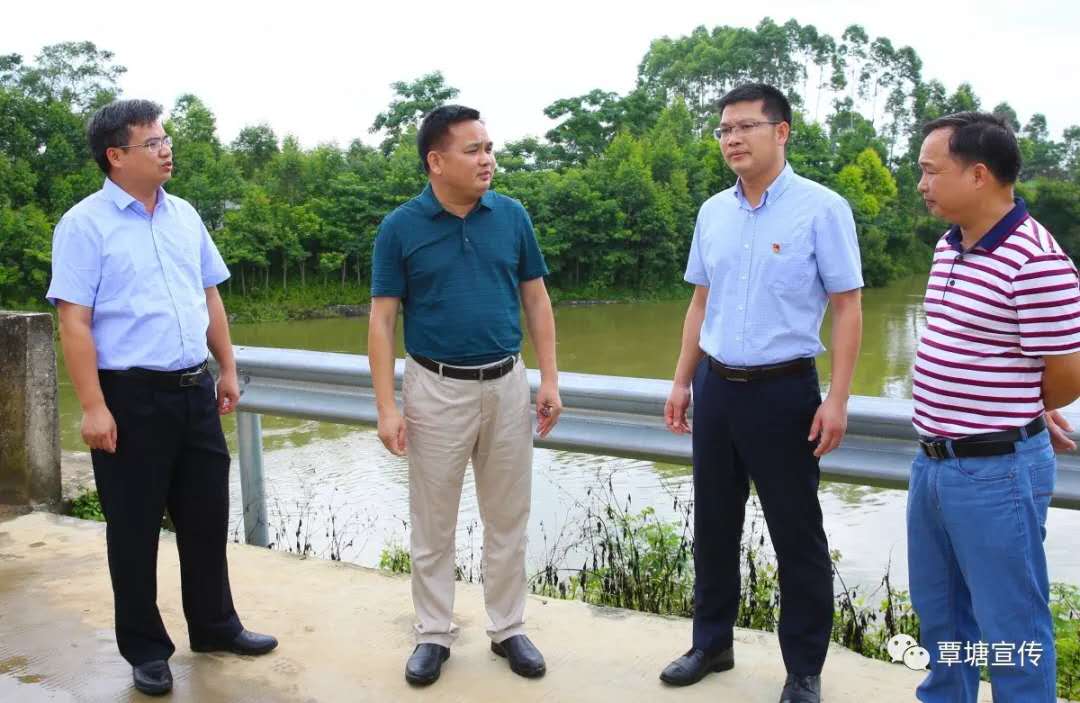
(247, 642)
(525, 659)
(801, 689)
(153, 678)
(425, 664)
(692, 666)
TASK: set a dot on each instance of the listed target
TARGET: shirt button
(743, 277)
(737, 338)
(952, 283)
(740, 307)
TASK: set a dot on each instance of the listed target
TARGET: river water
(335, 490)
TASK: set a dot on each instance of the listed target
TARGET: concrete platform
(345, 634)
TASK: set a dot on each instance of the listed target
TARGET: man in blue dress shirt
(135, 278)
(768, 256)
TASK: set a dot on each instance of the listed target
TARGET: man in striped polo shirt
(1000, 351)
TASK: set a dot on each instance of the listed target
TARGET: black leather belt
(483, 373)
(979, 445)
(758, 373)
(165, 380)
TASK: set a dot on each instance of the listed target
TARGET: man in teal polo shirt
(463, 260)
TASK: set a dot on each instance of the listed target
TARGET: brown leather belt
(744, 374)
(483, 373)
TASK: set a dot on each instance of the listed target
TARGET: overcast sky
(322, 70)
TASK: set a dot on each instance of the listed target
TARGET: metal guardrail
(606, 415)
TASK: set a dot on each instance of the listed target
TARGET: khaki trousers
(449, 422)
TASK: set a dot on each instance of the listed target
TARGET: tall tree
(412, 100)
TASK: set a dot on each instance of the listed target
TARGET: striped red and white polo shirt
(992, 313)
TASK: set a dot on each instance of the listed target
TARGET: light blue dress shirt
(144, 276)
(771, 268)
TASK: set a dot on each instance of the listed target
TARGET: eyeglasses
(728, 131)
(151, 145)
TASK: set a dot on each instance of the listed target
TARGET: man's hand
(675, 409)
(228, 392)
(1058, 426)
(830, 425)
(392, 432)
(99, 429)
(548, 408)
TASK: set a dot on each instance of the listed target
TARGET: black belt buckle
(737, 375)
(935, 450)
(191, 379)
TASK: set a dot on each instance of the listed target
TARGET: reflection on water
(335, 487)
(353, 479)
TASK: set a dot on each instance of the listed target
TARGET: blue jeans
(977, 570)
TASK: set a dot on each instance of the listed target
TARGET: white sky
(322, 70)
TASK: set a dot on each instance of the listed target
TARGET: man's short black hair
(436, 126)
(111, 126)
(776, 105)
(979, 137)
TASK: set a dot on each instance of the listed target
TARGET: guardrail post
(252, 484)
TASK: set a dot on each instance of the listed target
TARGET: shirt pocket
(789, 262)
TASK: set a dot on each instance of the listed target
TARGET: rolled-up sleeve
(836, 246)
(76, 263)
(214, 270)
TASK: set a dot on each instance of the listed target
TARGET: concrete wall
(29, 410)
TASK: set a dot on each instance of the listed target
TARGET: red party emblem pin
(775, 248)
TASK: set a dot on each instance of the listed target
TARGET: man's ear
(982, 175)
(112, 154)
(783, 132)
(434, 162)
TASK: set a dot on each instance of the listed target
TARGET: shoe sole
(723, 666)
(426, 681)
(241, 652)
(153, 690)
(527, 673)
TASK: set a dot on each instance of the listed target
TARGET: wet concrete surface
(345, 633)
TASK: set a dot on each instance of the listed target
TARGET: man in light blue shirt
(768, 256)
(135, 278)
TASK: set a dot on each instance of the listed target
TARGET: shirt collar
(123, 199)
(997, 234)
(774, 191)
(432, 207)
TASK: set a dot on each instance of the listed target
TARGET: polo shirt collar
(774, 191)
(997, 234)
(123, 199)
(432, 207)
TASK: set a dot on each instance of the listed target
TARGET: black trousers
(758, 431)
(170, 454)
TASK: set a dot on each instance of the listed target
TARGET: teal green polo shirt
(458, 278)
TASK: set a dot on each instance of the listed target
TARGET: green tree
(253, 148)
(412, 100)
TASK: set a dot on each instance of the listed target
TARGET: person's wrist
(93, 406)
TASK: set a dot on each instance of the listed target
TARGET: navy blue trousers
(170, 454)
(757, 431)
